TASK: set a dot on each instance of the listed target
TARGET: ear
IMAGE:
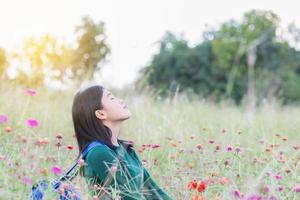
(100, 114)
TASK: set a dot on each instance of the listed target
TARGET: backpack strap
(83, 154)
(108, 179)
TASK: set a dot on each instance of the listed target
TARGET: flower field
(193, 149)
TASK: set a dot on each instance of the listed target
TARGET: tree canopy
(47, 57)
(233, 60)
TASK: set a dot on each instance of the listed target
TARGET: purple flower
(238, 149)
(273, 198)
(26, 180)
(237, 194)
(56, 169)
(297, 189)
(253, 197)
(31, 92)
(3, 118)
(280, 189)
(278, 177)
(265, 189)
(32, 122)
(229, 148)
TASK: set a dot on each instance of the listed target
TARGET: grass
(267, 164)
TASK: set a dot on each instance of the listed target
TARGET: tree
(3, 64)
(48, 58)
(91, 50)
(238, 60)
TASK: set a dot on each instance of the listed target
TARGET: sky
(133, 27)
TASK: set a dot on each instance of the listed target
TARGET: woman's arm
(151, 190)
(154, 190)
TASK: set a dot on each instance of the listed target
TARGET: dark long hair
(87, 126)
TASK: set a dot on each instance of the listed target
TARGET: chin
(127, 116)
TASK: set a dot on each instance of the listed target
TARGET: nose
(123, 102)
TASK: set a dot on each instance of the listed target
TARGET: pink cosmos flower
(211, 141)
(272, 198)
(237, 194)
(31, 92)
(26, 180)
(3, 118)
(113, 169)
(56, 169)
(229, 148)
(32, 122)
(297, 189)
(266, 189)
(254, 197)
(237, 149)
(296, 147)
(155, 146)
(278, 177)
(280, 188)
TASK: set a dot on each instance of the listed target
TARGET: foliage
(218, 66)
(47, 57)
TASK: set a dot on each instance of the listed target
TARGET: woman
(98, 116)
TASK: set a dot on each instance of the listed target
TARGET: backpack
(65, 190)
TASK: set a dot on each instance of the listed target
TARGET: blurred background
(243, 51)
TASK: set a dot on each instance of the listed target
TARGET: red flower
(201, 186)
(192, 185)
(8, 129)
(70, 147)
(199, 146)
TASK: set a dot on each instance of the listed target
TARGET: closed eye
(109, 94)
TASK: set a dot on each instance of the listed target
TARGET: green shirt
(131, 178)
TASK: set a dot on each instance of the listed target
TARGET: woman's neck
(115, 129)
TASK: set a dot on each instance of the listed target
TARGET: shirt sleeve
(101, 160)
(151, 188)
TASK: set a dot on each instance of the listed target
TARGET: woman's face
(114, 109)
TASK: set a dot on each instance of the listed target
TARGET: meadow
(181, 141)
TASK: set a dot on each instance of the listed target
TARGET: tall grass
(195, 138)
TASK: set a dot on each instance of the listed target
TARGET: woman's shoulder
(100, 152)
